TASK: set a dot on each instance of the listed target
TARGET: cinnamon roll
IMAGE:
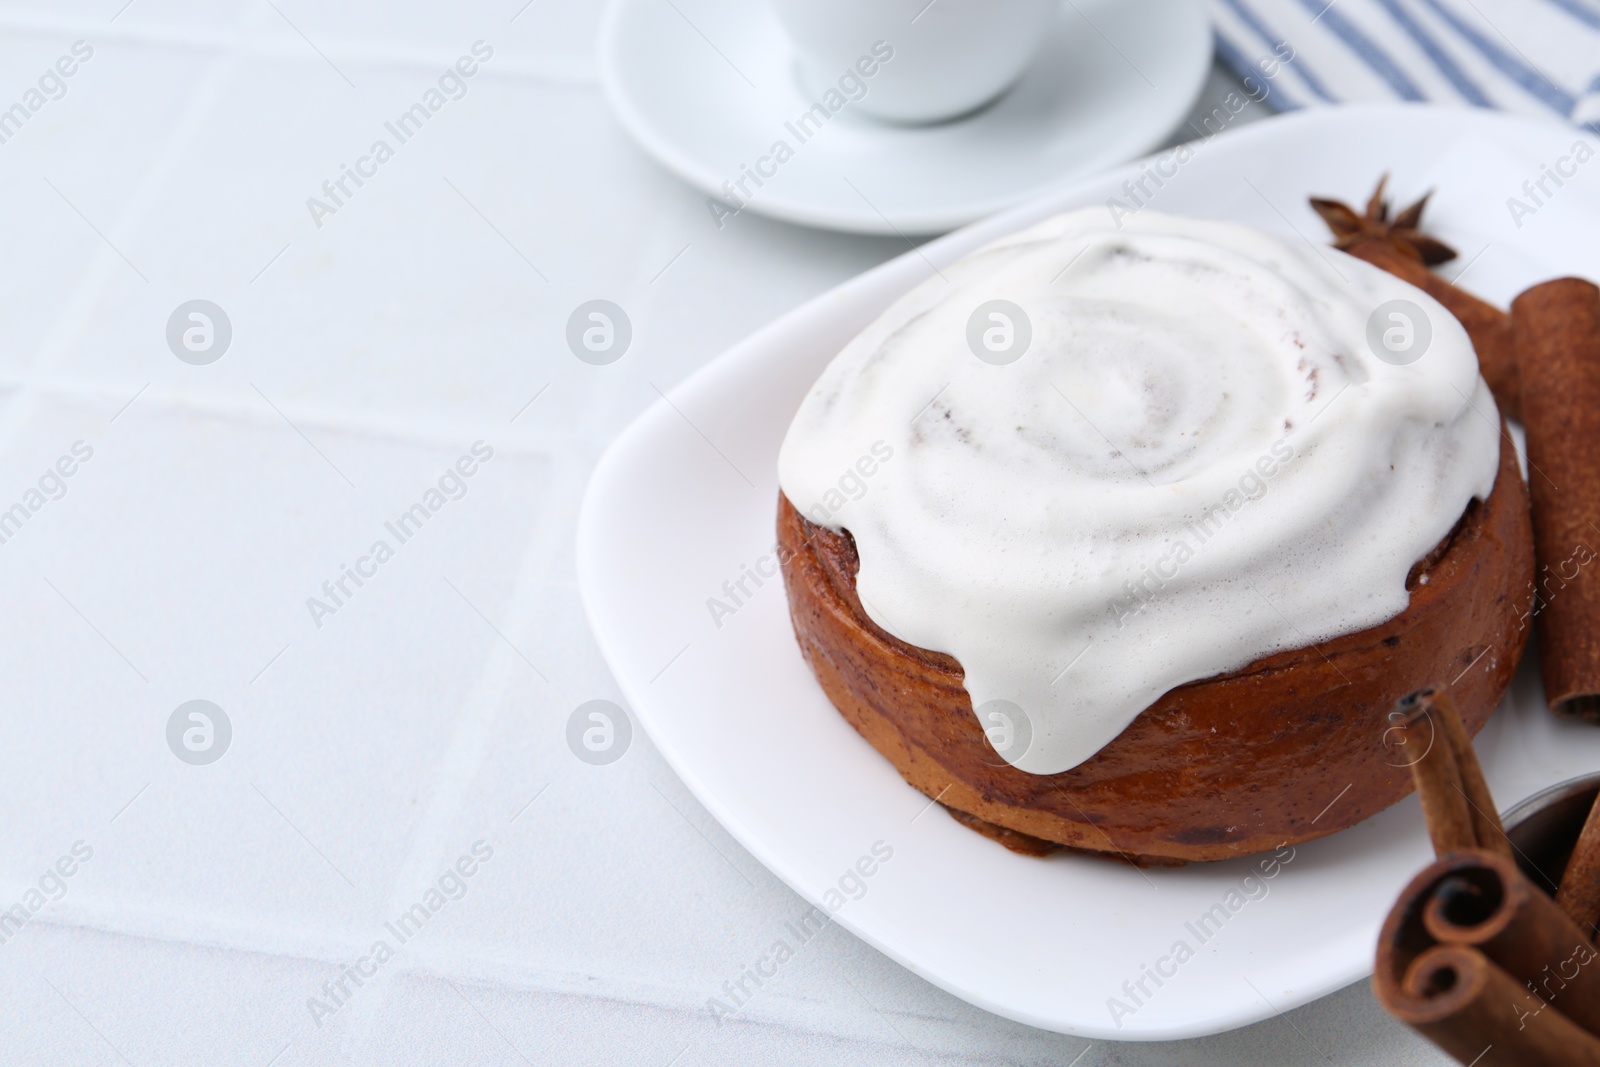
(1125, 538)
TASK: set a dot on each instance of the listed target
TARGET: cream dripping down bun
(1198, 459)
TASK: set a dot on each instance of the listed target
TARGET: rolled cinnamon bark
(1481, 900)
(1485, 816)
(1557, 336)
(1404, 936)
(1488, 326)
(1579, 893)
(1445, 806)
(1458, 999)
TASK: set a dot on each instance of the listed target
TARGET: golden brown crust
(1290, 748)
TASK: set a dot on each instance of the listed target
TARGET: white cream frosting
(1197, 461)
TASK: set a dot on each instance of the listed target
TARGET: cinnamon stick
(1404, 936)
(1482, 900)
(1579, 893)
(1556, 327)
(1438, 778)
(1486, 826)
(1488, 327)
(1462, 1002)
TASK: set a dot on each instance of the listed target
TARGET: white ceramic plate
(685, 500)
(707, 86)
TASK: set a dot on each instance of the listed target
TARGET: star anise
(1404, 233)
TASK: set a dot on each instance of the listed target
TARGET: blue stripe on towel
(1537, 85)
(1248, 72)
(1362, 45)
(1441, 59)
(1272, 39)
(1583, 14)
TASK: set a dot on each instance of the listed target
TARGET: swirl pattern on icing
(1199, 459)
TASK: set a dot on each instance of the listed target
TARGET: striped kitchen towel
(1538, 57)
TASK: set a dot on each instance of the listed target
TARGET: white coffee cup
(947, 58)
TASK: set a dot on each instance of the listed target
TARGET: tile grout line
(105, 264)
(461, 963)
(429, 846)
(378, 425)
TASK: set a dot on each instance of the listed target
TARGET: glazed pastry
(1127, 539)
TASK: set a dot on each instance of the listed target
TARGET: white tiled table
(371, 751)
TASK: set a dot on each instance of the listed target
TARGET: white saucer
(706, 86)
